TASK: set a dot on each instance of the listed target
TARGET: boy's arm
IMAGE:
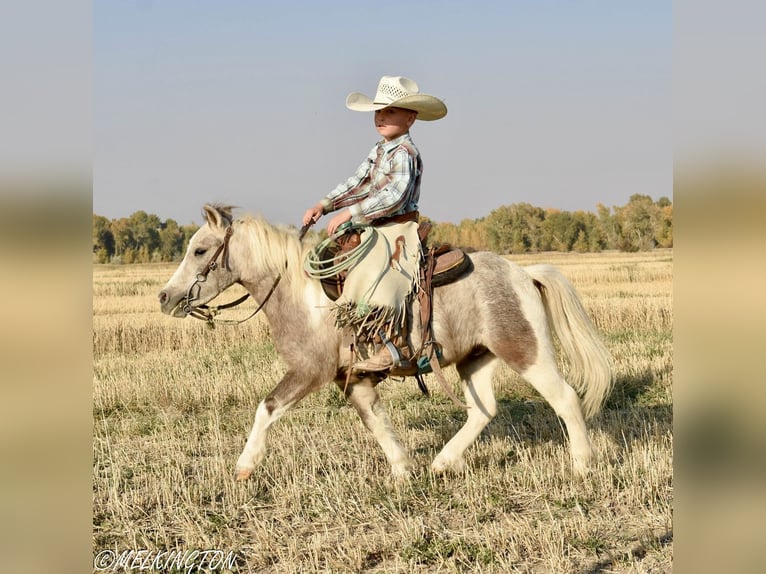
(394, 195)
(349, 191)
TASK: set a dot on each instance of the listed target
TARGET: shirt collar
(388, 146)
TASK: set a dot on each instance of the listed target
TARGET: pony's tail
(591, 372)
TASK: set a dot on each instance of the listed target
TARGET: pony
(499, 312)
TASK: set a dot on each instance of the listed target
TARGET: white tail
(590, 364)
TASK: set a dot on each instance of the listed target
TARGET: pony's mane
(276, 247)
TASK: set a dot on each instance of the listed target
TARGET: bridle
(207, 313)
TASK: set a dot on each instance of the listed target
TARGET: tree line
(140, 238)
(640, 225)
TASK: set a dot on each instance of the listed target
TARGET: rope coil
(319, 268)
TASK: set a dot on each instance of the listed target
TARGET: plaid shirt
(387, 183)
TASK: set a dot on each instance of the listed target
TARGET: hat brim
(429, 108)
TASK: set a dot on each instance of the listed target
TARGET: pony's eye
(199, 251)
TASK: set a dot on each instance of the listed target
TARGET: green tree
(471, 234)
(514, 228)
(559, 231)
(171, 241)
(663, 233)
(103, 240)
(609, 227)
(146, 234)
(124, 240)
(443, 233)
(638, 220)
(581, 243)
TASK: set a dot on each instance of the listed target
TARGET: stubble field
(173, 403)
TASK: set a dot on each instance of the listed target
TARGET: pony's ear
(217, 215)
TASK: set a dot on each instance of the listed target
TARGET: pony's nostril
(163, 296)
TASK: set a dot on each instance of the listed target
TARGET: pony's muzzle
(168, 306)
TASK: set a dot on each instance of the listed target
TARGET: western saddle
(440, 265)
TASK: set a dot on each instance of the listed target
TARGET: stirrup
(393, 349)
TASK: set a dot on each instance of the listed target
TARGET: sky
(558, 104)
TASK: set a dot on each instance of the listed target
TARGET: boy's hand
(338, 220)
(313, 214)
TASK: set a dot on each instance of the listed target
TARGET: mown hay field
(174, 401)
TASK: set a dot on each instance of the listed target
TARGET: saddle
(441, 264)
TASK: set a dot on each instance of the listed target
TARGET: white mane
(276, 249)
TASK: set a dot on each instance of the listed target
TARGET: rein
(208, 313)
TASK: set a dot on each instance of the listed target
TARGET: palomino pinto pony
(500, 311)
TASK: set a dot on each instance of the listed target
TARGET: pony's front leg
(292, 388)
(364, 397)
(255, 448)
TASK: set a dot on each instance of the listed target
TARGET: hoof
(581, 470)
(402, 470)
(243, 474)
(582, 464)
(448, 466)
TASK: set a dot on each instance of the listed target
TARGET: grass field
(174, 401)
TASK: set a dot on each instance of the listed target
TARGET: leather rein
(208, 313)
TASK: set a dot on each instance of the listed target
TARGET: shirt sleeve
(394, 195)
(354, 189)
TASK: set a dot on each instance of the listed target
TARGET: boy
(386, 186)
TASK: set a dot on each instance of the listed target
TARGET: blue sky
(556, 103)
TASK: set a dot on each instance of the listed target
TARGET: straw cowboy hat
(399, 92)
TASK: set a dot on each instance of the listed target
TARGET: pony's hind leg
(476, 374)
(545, 377)
(364, 397)
(292, 388)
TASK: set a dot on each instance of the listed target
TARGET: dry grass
(173, 402)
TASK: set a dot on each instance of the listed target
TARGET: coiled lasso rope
(324, 268)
